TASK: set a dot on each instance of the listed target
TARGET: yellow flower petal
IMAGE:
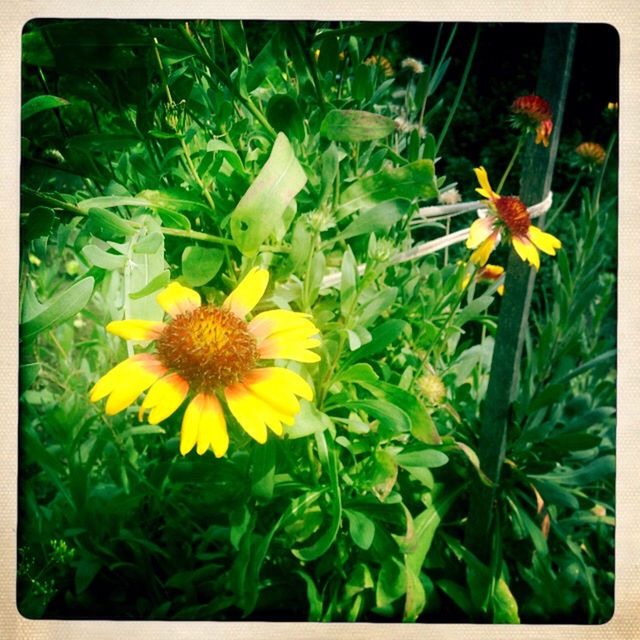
(526, 250)
(482, 253)
(281, 346)
(242, 405)
(248, 293)
(126, 383)
(277, 320)
(204, 424)
(213, 429)
(278, 387)
(544, 241)
(479, 231)
(110, 380)
(136, 329)
(176, 299)
(164, 397)
(483, 179)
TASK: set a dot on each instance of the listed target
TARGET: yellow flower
(508, 215)
(216, 354)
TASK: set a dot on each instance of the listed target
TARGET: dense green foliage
(144, 153)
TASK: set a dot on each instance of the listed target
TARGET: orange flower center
(514, 214)
(208, 347)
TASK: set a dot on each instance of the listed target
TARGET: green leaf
(62, 307)
(415, 180)
(381, 337)
(96, 142)
(391, 584)
(143, 430)
(150, 243)
(284, 115)
(263, 470)
(355, 126)
(200, 265)
(361, 528)
(106, 202)
(265, 202)
(107, 225)
(380, 218)
(361, 372)
(160, 281)
(422, 425)
(86, 570)
(313, 596)
(140, 272)
(421, 458)
(348, 283)
(41, 103)
(103, 259)
(393, 420)
(584, 476)
(174, 200)
(376, 305)
(326, 450)
(309, 420)
(219, 147)
(28, 375)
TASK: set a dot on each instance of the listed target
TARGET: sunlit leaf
(415, 180)
(265, 202)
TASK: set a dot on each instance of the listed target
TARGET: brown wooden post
(537, 173)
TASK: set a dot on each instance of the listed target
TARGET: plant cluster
(248, 390)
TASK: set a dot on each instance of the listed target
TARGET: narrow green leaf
(415, 180)
(429, 458)
(161, 280)
(62, 307)
(41, 103)
(103, 259)
(263, 205)
(107, 225)
(326, 449)
(355, 126)
(348, 282)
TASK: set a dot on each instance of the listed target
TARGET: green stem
(461, 86)
(598, 189)
(507, 171)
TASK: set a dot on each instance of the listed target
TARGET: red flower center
(208, 347)
(514, 214)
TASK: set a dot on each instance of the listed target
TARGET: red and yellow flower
(591, 153)
(507, 215)
(533, 113)
(218, 355)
